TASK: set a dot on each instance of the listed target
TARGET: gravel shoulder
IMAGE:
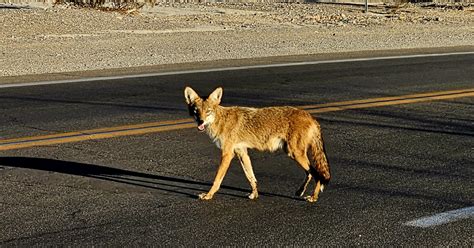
(63, 38)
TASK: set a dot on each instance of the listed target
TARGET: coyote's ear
(216, 95)
(190, 95)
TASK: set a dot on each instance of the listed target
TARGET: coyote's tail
(319, 157)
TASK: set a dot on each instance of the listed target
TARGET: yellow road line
(99, 130)
(390, 98)
(389, 103)
(82, 136)
(153, 127)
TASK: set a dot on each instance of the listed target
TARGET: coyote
(236, 129)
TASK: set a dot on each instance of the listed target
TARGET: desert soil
(67, 38)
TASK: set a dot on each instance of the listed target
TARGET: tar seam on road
(153, 127)
(158, 74)
(442, 218)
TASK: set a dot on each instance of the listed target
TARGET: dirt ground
(65, 38)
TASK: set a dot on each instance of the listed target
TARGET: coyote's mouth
(202, 127)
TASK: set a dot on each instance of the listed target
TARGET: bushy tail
(318, 153)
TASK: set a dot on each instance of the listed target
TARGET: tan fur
(236, 129)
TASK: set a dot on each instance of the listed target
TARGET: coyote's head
(203, 109)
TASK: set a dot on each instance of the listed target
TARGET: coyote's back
(236, 129)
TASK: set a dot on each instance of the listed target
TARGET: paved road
(391, 164)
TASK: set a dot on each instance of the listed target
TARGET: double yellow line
(387, 101)
(161, 126)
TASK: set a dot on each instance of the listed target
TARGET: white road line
(91, 79)
(442, 218)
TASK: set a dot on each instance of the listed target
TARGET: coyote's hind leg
(303, 161)
(302, 189)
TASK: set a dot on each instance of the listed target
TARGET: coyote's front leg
(225, 163)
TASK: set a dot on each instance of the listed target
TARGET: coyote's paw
(311, 198)
(205, 196)
(253, 196)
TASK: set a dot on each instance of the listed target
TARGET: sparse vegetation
(65, 37)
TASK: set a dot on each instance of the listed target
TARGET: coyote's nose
(201, 126)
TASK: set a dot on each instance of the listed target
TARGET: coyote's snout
(236, 129)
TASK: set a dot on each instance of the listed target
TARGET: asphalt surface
(390, 165)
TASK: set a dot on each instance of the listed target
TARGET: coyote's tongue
(201, 127)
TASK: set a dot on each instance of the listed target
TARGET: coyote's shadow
(174, 185)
